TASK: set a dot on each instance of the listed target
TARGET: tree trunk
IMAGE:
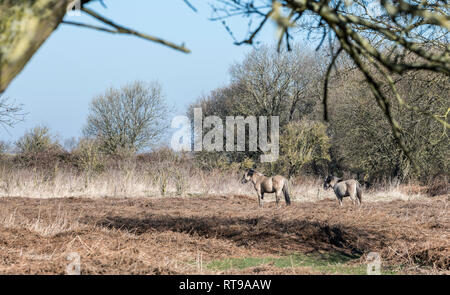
(24, 26)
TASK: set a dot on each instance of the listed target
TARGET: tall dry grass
(164, 179)
(87, 173)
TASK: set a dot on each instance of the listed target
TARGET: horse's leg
(277, 196)
(352, 196)
(357, 197)
(260, 198)
(340, 201)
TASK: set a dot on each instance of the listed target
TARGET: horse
(344, 188)
(276, 184)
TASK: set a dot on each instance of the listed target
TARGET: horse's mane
(329, 178)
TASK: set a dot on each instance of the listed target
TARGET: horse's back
(274, 183)
(279, 179)
(352, 184)
(347, 187)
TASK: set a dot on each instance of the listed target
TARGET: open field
(222, 234)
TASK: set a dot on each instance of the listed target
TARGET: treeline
(357, 140)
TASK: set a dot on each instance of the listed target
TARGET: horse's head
(330, 181)
(247, 176)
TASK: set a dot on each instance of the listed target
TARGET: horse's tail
(359, 192)
(286, 192)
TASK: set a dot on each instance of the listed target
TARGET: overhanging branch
(119, 29)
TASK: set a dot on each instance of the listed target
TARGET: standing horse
(263, 184)
(344, 188)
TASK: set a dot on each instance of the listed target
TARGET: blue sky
(75, 64)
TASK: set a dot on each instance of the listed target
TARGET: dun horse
(347, 188)
(263, 184)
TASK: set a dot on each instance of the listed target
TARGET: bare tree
(281, 84)
(266, 83)
(10, 112)
(131, 117)
(362, 141)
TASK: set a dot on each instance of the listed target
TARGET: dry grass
(160, 218)
(161, 179)
(174, 235)
(116, 183)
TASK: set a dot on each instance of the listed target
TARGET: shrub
(439, 186)
(302, 142)
(37, 140)
(181, 182)
(4, 147)
(89, 157)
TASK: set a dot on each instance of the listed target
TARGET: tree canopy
(378, 40)
(129, 118)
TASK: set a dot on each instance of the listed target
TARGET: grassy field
(222, 234)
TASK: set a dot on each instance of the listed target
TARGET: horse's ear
(250, 172)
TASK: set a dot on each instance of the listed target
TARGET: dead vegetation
(175, 235)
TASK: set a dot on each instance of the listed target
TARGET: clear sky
(75, 64)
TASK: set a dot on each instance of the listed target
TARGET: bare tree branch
(325, 84)
(124, 30)
(407, 27)
(10, 112)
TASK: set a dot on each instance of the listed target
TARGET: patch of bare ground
(181, 235)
